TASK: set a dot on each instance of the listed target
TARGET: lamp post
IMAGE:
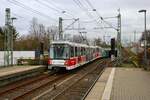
(12, 20)
(145, 37)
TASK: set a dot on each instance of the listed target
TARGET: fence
(17, 55)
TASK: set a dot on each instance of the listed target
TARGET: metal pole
(12, 42)
(134, 36)
(7, 43)
(12, 38)
(145, 36)
(60, 29)
(119, 57)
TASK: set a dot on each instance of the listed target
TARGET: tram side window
(71, 51)
(76, 51)
(82, 51)
(100, 50)
(85, 51)
(94, 50)
(88, 51)
(97, 49)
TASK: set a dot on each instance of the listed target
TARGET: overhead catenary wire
(54, 9)
(87, 21)
(20, 16)
(71, 24)
(93, 9)
(51, 2)
(65, 11)
(80, 5)
(44, 4)
(78, 2)
(23, 18)
(101, 18)
(90, 4)
(17, 3)
(85, 9)
(17, 15)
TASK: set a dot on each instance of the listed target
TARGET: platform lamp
(145, 36)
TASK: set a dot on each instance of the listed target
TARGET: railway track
(78, 86)
(54, 85)
(18, 91)
(23, 82)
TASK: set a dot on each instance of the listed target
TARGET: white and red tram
(68, 55)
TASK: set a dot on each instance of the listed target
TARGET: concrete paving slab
(108, 87)
(131, 84)
(98, 89)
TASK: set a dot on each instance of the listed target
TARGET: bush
(32, 62)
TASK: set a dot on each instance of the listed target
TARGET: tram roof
(74, 44)
(70, 43)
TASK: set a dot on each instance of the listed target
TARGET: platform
(11, 74)
(122, 84)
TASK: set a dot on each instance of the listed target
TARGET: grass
(128, 65)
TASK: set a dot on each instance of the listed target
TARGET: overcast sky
(51, 10)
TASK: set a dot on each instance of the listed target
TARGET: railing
(15, 60)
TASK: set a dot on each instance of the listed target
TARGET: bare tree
(97, 41)
(77, 39)
(38, 34)
(52, 31)
(1, 39)
(2, 36)
(34, 27)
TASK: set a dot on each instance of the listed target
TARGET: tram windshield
(59, 51)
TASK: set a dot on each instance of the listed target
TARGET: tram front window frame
(59, 51)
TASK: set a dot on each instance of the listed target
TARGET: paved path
(131, 84)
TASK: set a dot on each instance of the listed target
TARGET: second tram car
(68, 55)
